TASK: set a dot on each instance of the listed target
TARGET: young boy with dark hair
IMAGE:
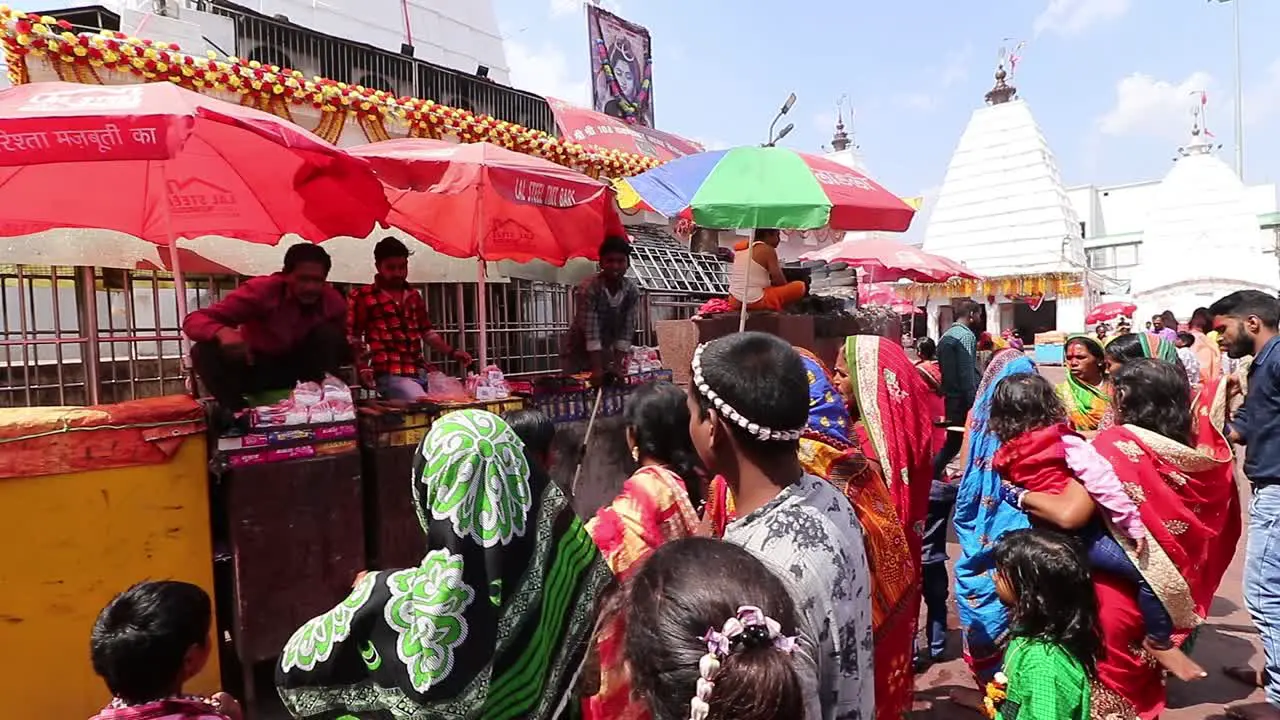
(748, 402)
(146, 644)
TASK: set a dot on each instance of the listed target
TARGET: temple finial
(1003, 92)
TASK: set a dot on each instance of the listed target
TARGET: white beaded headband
(726, 410)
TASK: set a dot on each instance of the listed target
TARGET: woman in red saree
(1177, 467)
(888, 400)
(653, 508)
(931, 372)
(890, 511)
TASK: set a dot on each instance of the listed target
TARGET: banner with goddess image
(621, 67)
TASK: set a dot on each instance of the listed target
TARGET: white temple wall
(1071, 314)
(1184, 298)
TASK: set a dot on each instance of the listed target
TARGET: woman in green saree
(495, 621)
(1084, 392)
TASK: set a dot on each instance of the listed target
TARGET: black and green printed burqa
(495, 621)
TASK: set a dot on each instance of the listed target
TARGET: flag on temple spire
(1015, 55)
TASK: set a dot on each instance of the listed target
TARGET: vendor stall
(93, 500)
(288, 526)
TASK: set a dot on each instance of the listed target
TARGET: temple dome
(1201, 239)
(1002, 209)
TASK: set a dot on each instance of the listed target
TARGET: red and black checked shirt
(387, 335)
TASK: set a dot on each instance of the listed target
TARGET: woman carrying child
(1175, 465)
(1041, 454)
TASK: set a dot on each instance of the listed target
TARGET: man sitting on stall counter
(608, 307)
(757, 277)
(270, 333)
(387, 324)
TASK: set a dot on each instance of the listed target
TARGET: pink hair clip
(720, 644)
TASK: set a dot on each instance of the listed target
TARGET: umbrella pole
(746, 284)
(481, 296)
(175, 266)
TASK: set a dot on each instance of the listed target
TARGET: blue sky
(1109, 81)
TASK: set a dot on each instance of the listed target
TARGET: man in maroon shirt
(271, 332)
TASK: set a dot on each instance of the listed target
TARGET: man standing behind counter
(387, 324)
(608, 307)
(270, 333)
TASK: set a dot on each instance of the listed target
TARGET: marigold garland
(997, 692)
(82, 58)
(1059, 285)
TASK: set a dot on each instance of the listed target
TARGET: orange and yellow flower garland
(997, 693)
(82, 58)
(1057, 285)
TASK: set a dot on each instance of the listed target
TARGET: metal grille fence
(47, 358)
(279, 42)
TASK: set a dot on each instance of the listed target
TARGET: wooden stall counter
(288, 534)
(93, 500)
(388, 440)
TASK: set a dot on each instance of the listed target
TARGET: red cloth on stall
(51, 441)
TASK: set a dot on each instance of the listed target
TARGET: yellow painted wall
(68, 544)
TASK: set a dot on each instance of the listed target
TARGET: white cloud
(1148, 106)
(953, 70)
(1070, 17)
(546, 71)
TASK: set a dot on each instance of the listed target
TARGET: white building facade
(1182, 242)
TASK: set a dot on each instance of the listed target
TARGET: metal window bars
(661, 265)
(277, 41)
(48, 356)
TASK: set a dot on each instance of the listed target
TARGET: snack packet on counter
(643, 359)
(337, 406)
(325, 402)
(306, 394)
(489, 384)
(443, 388)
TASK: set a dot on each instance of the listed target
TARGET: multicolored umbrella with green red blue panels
(766, 187)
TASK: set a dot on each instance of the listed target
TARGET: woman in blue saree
(980, 519)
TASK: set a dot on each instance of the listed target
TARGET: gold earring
(635, 454)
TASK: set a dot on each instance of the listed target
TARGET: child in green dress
(1050, 662)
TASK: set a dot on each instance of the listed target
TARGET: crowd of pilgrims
(770, 554)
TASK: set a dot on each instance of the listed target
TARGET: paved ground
(1228, 639)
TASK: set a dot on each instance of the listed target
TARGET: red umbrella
(886, 297)
(159, 162)
(1110, 311)
(479, 200)
(886, 260)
